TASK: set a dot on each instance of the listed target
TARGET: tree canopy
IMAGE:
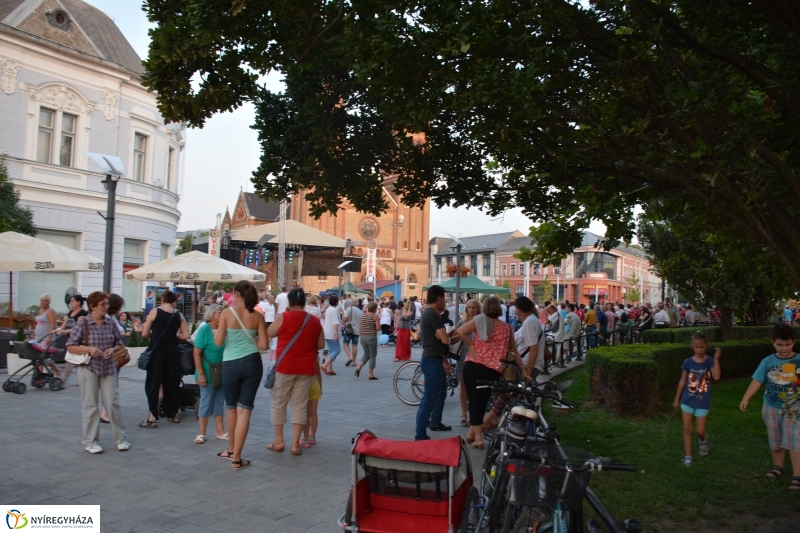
(571, 110)
(13, 217)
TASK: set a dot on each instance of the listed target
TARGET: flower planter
(135, 353)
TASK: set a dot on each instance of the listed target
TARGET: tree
(544, 291)
(714, 270)
(13, 217)
(185, 245)
(634, 294)
(583, 109)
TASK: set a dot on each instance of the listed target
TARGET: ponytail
(249, 294)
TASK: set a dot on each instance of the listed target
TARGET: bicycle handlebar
(522, 387)
(597, 464)
(567, 403)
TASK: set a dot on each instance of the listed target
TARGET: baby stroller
(401, 486)
(38, 358)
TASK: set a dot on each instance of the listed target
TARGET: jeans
(432, 404)
(212, 401)
(333, 348)
(240, 380)
(590, 332)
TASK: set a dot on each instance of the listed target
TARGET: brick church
(401, 233)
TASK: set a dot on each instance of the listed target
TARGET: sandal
(331, 373)
(150, 424)
(175, 419)
(273, 448)
(372, 377)
(238, 465)
(348, 363)
(324, 370)
(225, 455)
(358, 371)
(470, 439)
(775, 472)
(298, 452)
(224, 436)
(478, 445)
(304, 444)
(310, 440)
(795, 483)
(200, 439)
(464, 423)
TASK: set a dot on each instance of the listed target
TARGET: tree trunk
(726, 323)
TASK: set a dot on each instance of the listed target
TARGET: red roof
(432, 452)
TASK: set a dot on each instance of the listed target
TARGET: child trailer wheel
(20, 388)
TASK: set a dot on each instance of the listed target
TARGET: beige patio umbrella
(23, 253)
(195, 267)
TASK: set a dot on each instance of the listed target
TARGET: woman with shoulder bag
(97, 336)
(243, 333)
(300, 337)
(208, 362)
(164, 373)
(471, 310)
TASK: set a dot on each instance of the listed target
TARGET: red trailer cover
(432, 452)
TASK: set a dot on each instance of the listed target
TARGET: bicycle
(409, 383)
(547, 490)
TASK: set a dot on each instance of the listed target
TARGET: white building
(70, 84)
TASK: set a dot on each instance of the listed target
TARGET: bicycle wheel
(532, 521)
(409, 383)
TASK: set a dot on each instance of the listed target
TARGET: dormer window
(59, 19)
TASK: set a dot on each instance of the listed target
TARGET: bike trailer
(402, 486)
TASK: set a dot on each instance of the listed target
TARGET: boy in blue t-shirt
(781, 374)
(694, 393)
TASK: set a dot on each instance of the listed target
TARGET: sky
(220, 157)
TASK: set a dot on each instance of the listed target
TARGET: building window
(59, 19)
(31, 285)
(170, 165)
(68, 127)
(44, 146)
(165, 249)
(405, 245)
(557, 269)
(419, 247)
(520, 289)
(412, 280)
(438, 264)
(487, 265)
(321, 276)
(513, 269)
(503, 269)
(522, 269)
(133, 255)
(388, 254)
(450, 260)
(537, 269)
(139, 156)
(473, 264)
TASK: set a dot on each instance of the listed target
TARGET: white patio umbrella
(195, 267)
(23, 253)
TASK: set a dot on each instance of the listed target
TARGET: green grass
(728, 481)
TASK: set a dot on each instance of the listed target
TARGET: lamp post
(397, 225)
(113, 167)
(457, 247)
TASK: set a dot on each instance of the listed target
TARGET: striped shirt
(368, 325)
(102, 337)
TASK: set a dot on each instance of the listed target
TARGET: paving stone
(168, 483)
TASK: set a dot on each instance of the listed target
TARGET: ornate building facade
(401, 235)
(70, 84)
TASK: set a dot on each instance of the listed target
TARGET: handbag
(80, 359)
(215, 372)
(121, 356)
(148, 353)
(348, 328)
(510, 371)
(269, 377)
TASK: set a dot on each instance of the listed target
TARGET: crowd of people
(303, 335)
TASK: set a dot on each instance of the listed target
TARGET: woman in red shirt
(295, 368)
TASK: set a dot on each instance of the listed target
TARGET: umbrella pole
(11, 300)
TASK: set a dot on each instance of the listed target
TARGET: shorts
(212, 402)
(334, 348)
(783, 427)
(240, 380)
(315, 392)
(693, 411)
(350, 339)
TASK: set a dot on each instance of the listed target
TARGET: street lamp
(397, 225)
(457, 247)
(113, 167)
(341, 275)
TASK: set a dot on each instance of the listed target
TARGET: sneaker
(704, 446)
(687, 461)
(94, 448)
(124, 446)
(440, 427)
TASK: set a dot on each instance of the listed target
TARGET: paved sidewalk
(168, 483)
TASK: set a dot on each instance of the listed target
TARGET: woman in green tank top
(243, 332)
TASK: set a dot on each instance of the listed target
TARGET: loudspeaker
(354, 266)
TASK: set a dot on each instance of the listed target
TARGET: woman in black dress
(164, 326)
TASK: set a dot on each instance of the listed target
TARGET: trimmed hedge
(684, 335)
(631, 378)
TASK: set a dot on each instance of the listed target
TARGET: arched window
(405, 245)
(388, 254)
(412, 279)
(418, 246)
